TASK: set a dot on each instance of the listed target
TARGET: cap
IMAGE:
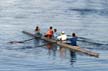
(62, 32)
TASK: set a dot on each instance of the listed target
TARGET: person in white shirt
(62, 37)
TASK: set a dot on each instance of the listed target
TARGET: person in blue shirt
(73, 40)
(55, 35)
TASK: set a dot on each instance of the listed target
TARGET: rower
(55, 35)
(62, 37)
(73, 39)
(49, 33)
(37, 31)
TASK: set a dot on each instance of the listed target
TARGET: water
(87, 18)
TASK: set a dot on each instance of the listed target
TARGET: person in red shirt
(49, 33)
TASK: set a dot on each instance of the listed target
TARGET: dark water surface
(88, 18)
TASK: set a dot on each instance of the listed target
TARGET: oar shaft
(20, 41)
(28, 40)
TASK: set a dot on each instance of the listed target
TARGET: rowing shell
(75, 48)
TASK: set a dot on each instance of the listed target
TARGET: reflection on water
(72, 57)
(62, 52)
(37, 42)
(53, 50)
(49, 47)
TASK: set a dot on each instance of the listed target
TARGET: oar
(81, 38)
(29, 47)
(42, 45)
(12, 42)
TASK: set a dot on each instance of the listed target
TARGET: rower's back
(37, 31)
(49, 33)
(62, 37)
(55, 34)
(73, 40)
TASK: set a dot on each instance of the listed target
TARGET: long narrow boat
(75, 48)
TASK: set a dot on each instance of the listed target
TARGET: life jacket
(50, 32)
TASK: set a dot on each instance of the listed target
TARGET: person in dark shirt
(37, 31)
(73, 40)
